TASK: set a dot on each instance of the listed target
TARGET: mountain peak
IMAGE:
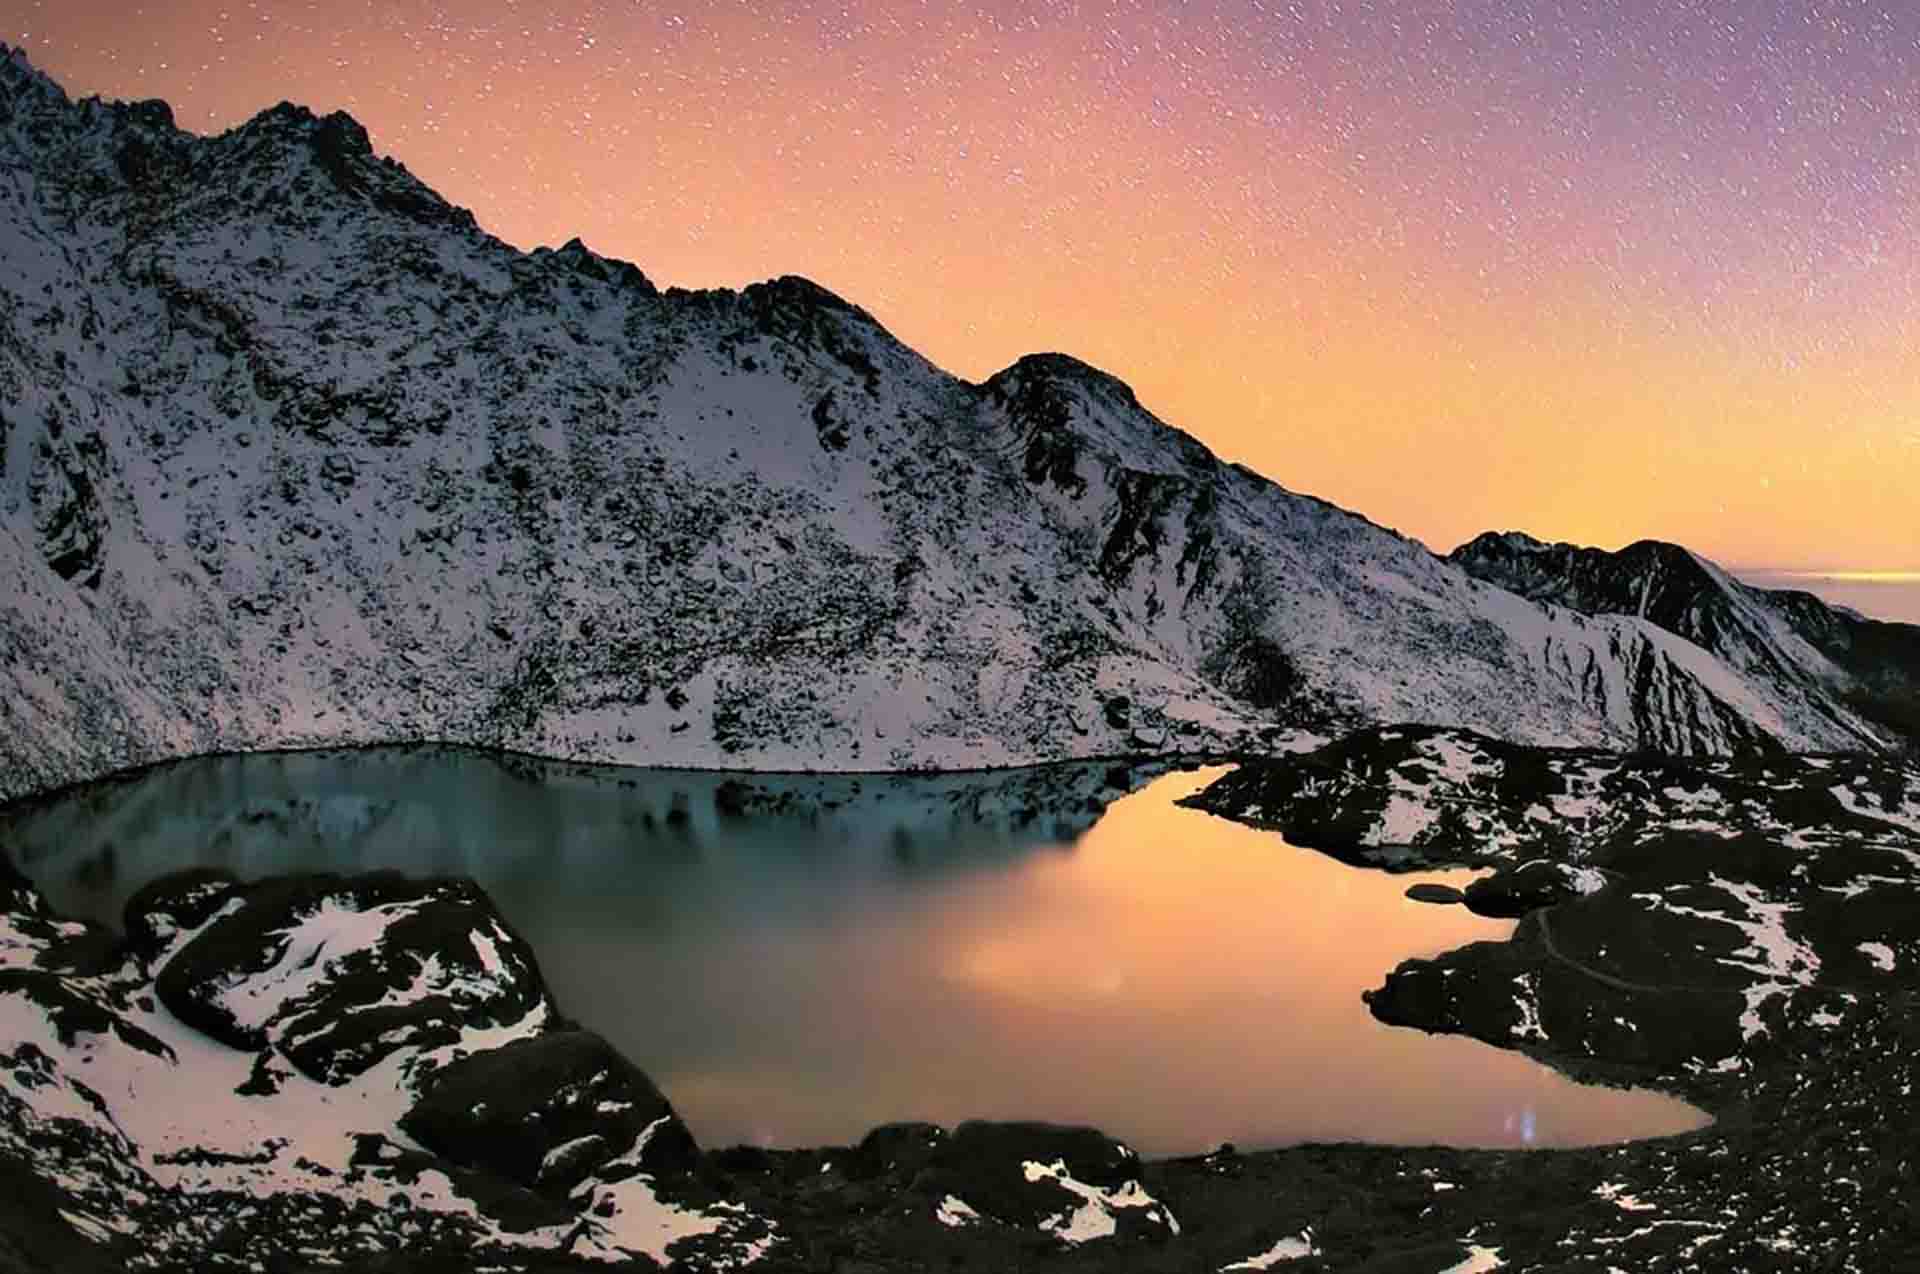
(1064, 368)
(18, 74)
(338, 144)
(607, 529)
(576, 256)
(1510, 542)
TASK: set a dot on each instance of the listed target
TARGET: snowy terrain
(1403, 796)
(293, 454)
(1770, 633)
(244, 1065)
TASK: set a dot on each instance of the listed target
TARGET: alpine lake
(797, 959)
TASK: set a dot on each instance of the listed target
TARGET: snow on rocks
(337, 974)
(159, 1132)
(1479, 1260)
(954, 1211)
(548, 1111)
(1615, 1192)
(1094, 1217)
(1379, 797)
(1880, 953)
(333, 466)
(1291, 1248)
(1514, 891)
(1076, 1184)
(1782, 961)
(1678, 915)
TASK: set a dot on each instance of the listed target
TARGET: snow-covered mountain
(1785, 636)
(292, 453)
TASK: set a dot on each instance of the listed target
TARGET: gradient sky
(1593, 270)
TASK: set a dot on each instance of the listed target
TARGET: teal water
(795, 960)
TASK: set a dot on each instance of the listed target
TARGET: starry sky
(1595, 270)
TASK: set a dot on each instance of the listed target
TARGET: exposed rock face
(294, 454)
(162, 1143)
(1680, 918)
(1076, 1184)
(1850, 663)
(1404, 797)
(67, 515)
(549, 1111)
(336, 975)
(1514, 891)
(1709, 953)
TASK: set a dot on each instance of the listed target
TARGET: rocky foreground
(368, 1073)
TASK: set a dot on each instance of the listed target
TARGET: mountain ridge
(296, 454)
(1780, 632)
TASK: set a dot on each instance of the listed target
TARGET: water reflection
(795, 960)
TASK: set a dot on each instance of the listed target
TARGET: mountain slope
(1787, 636)
(292, 453)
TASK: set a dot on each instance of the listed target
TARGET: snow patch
(1094, 1218)
(954, 1211)
(1288, 1249)
(1480, 1260)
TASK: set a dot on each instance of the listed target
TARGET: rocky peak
(19, 77)
(575, 256)
(569, 516)
(1491, 544)
(1063, 372)
(338, 145)
(1779, 635)
(1646, 576)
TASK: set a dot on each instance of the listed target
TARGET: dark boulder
(1580, 1004)
(18, 896)
(341, 973)
(1044, 1176)
(550, 1111)
(902, 1149)
(70, 519)
(1428, 892)
(173, 904)
(1514, 891)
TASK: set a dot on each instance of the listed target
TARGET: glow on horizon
(1848, 577)
(1455, 266)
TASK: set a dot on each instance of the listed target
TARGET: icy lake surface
(795, 960)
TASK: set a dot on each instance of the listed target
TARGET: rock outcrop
(229, 1084)
(1866, 666)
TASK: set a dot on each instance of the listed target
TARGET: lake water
(795, 960)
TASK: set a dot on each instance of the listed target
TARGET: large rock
(1712, 950)
(550, 1111)
(18, 897)
(1408, 797)
(337, 974)
(901, 1149)
(1077, 1184)
(1514, 891)
(163, 909)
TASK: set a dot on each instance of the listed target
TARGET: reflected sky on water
(795, 960)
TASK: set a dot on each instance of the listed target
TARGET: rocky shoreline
(368, 1073)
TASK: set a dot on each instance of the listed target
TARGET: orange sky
(1455, 272)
